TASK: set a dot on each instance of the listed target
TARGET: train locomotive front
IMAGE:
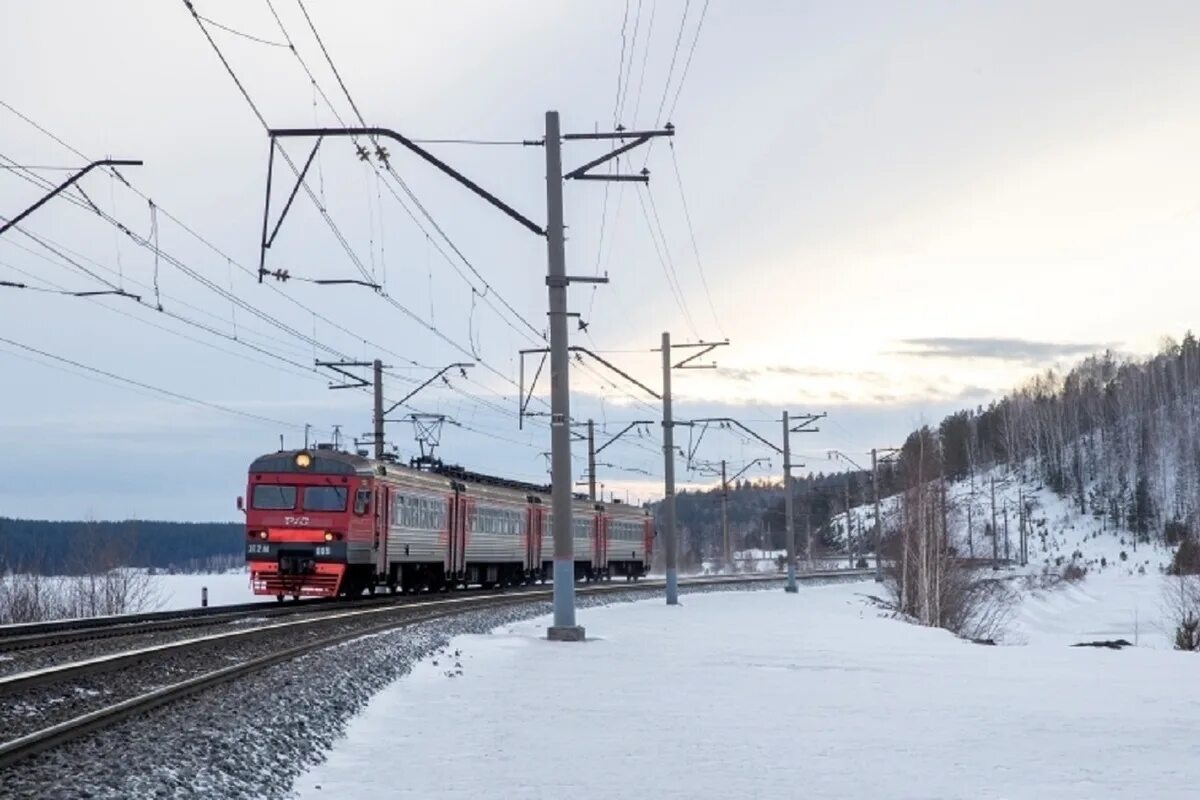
(309, 527)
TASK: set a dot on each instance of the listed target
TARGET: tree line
(44, 547)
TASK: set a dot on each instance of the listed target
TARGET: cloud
(1002, 349)
(751, 373)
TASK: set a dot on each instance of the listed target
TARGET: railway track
(175, 670)
(41, 634)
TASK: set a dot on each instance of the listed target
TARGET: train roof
(456, 472)
(328, 461)
(324, 462)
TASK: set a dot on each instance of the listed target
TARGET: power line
(666, 262)
(230, 261)
(637, 100)
(615, 165)
(621, 64)
(317, 87)
(688, 63)
(624, 96)
(64, 257)
(240, 338)
(683, 76)
(345, 244)
(149, 387)
(487, 287)
(240, 341)
(16, 166)
(308, 374)
(692, 235)
(287, 159)
(671, 70)
(242, 34)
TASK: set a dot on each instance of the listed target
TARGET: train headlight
(303, 460)
(262, 534)
(328, 536)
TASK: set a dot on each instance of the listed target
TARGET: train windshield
(324, 498)
(271, 497)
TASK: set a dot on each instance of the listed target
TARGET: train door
(600, 541)
(458, 532)
(380, 516)
(452, 514)
(533, 536)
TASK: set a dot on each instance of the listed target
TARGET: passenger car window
(324, 498)
(271, 497)
(362, 501)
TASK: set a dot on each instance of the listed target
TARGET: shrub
(1103, 562)
(1074, 572)
(1187, 558)
(1124, 555)
(1182, 604)
(1187, 635)
(1175, 532)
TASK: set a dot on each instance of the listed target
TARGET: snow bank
(769, 695)
(176, 592)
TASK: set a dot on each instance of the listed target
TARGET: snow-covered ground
(755, 560)
(174, 592)
(1101, 607)
(762, 694)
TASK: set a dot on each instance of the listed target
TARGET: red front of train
(308, 522)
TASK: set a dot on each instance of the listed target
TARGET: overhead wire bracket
(577, 349)
(523, 399)
(584, 173)
(340, 367)
(106, 162)
(622, 432)
(461, 366)
(278, 133)
(267, 241)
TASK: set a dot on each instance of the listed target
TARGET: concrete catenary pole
(564, 627)
(377, 417)
(725, 519)
(790, 524)
(878, 521)
(669, 544)
(592, 461)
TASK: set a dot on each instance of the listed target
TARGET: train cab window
(362, 501)
(324, 498)
(270, 497)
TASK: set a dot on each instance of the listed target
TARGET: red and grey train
(326, 523)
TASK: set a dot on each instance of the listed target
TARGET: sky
(891, 211)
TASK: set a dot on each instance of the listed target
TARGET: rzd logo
(295, 520)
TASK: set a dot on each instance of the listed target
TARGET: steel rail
(19, 629)
(27, 635)
(134, 625)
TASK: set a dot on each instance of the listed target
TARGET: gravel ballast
(252, 738)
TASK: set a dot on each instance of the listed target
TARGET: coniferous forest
(67, 548)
